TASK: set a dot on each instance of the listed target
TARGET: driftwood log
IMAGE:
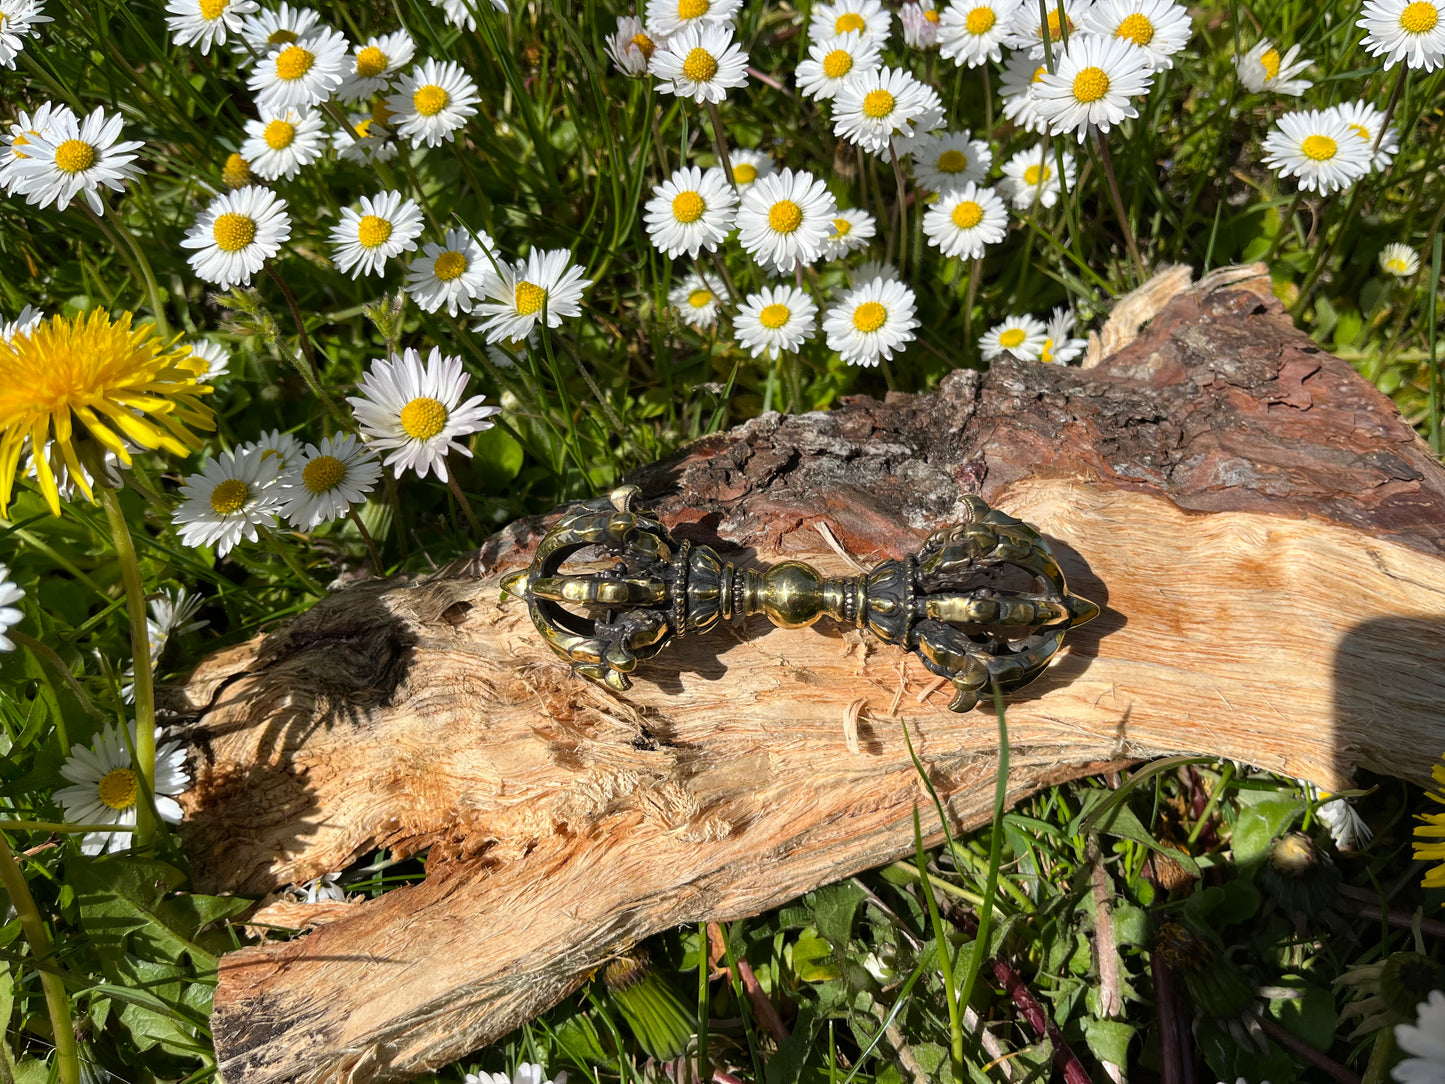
(1265, 533)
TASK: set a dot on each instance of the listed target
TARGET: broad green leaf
(833, 910)
(122, 901)
(1109, 1039)
(1259, 824)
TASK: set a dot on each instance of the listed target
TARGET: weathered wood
(1266, 535)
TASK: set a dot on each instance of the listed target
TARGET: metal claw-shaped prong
(515, 584)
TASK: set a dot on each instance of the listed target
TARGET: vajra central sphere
(982, 602)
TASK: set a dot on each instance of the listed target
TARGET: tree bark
(1265, 533)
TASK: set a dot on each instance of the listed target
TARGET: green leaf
(123, 908)
(1131, 925)
(1121, 821)
(812, 958)
(833, 910)
(1259, 824)
(1311, 1016)
(1110, 1039)
(497, 456)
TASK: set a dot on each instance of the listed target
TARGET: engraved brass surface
(981, 602)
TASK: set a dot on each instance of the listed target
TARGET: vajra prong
(982, 602)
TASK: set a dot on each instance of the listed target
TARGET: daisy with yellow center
(1365, 121)
(375, 64)
(867, 17)
(327, 480)
(748, 166)
(871, 322)
(24, 128)
(300, 73)
(1264, 70)
(87, 384)
(700, 62)
(105, 786)
(690, 211)
(1157, 29)
(945, 160)
(432, 103)
(1090, 88)
(965, 221)
(545, 284)
(280, 144)
(232, 496)
(871, 111)
(235, 236)
(452, 274)
(696, 298)
(1031, 177)
(920, 24)
(1412, 31)
(74, 157)
(776, 320)
(1399, 260)
(1318, 149)
(786, 219)
(263, 30)
(667, 17)
(833, 62)
(1021, 336)
(17, 23)
(385, 226)
(206, 22)
(1060, 345)
(852, 230)
(630, 46)
(415, 411)
(972, 32)
(1020, 73)
(1027, 32)
(365, 141)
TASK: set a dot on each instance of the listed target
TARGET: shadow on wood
(1263, 530)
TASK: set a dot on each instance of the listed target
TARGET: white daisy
(433, 102)
(833, 61)
(1090, 87)
(24, 128)
(747, 165)
(236, 235)
(869, 17)
(216, 357)
(1025, 31)
(462, 13)
(869, 270)
(966, 220)
(786, 219)
(1060, 347)
(1021, 336)
(365, 142)
(17, 22)
(327, 481)
(1032, 176)
(701, 63)
(261, 31)
(1347, 828)
(1395, 259)
(971, 32)
(228, 500)
(1365, 120)
(74, 157)
(171, 614)
(105, 786)
(275, 444)
(1318, 149)
(206, 22)
(697, 300)
(920, 24)
(1020, 72)
(9, 615)
(630, 46)
(944, 160)
(1263, 69)
(23, 324)
(852, 230)
(387, 225)
(1424, 1040)
(519, 294)
(1157, 28)
(374, 65)
(776, 320)
(929, 118)
(667, 17)
(689, 211)
(871, 109)
(279, 144)
(452, 273)
(527, 1073)
(324, 889)
(872, 321)
(305, 72)
(1408, 30)
(415, 411)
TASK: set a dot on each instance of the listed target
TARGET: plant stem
(722, 147)
(1118, 202)
(140, 649)
(306, 347)
(290, 561)
(1286, 223)
(366, 537)
(45, 654)
(472, 523)
(135, 256)
(945, 960)
(902, 208)
(57, 1002)
(1219, 788)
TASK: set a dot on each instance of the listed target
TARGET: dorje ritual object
(981, 602)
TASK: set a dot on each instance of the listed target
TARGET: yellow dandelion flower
(1433, 828)
(87, 378)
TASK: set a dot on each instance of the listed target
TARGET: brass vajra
(981, 602)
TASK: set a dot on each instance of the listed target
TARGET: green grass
(563, 153)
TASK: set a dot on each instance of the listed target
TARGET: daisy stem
(306, 347)
(1317, 266)
(1118, 202)
(415, 182)
(140, 650)
(974, 268)
(62, 828)
(722, 147)
(67, 1064)
(902, 210)
(47, 655)
(722, 269)
(365, 537)
(1285, 225)
(290, 561)
(472, 522)
(133, 255)
(1398, 90)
